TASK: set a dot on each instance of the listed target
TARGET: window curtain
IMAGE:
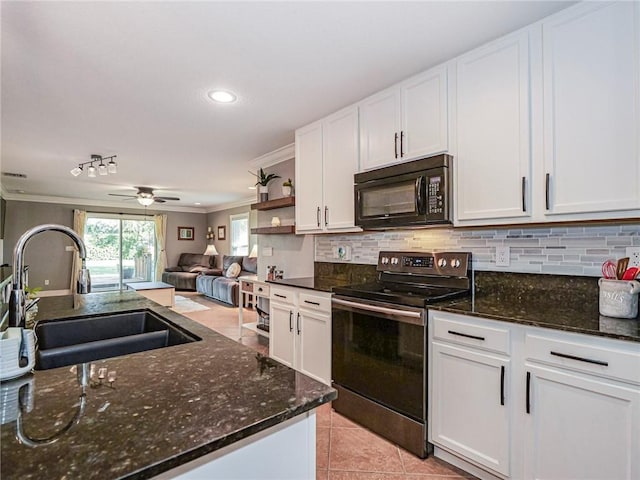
(160, 222)
(79, 222)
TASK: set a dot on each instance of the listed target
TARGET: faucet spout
(17, 302)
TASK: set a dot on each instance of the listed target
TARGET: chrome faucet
(17, 301)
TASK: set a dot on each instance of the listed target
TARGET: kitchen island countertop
(166, 407)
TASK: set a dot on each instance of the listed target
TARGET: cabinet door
(493, 131)
(309, 178)
(592, 108)
(281, 333)
(313, 357)
(469, 406)
(425, 115)
(340, 164)
(380, 129)
(581, 427)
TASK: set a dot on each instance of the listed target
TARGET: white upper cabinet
(326, 161)
(407, 121)
(308, 177)
(493, 158)
(591, 83)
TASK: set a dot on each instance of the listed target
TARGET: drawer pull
(259, 289)
(466, 335)
(528, 405)
(317, 304)
(502, 385)
(279, 296)
(580, 359)
(298, 323)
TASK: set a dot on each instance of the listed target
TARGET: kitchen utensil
(621, 267)
(609, 269)
(631, 273)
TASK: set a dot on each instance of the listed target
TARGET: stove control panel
(453, 264)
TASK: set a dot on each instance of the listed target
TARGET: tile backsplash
(569, 250)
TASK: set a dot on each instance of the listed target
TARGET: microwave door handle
(420, 191)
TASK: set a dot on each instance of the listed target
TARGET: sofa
(224, 286)
(190, 266)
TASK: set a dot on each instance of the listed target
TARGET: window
(120, 249)
(239, 234)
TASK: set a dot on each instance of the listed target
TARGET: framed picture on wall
(222, 232)
(185, 233)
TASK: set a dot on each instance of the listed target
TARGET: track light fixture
(101, 169)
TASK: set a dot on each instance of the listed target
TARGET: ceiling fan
(145, 196)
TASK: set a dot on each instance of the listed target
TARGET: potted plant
(287, 188)
(263, 182)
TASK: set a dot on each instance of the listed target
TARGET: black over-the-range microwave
(411, 194)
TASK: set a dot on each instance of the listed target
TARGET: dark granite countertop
(309, 283)
(168, 406)
(539, 311)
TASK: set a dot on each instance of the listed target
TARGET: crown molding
(272, 158)
(227, 206)
(96, 203)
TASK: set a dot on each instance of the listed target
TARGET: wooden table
(159, 292)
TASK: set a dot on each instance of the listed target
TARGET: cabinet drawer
(621, 364)
(283, 296)
(261, 289)
(466, 331)
(315, 302)
(246, 286)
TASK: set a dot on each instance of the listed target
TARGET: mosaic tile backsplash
(578, 250)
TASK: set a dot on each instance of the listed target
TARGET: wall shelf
(276, 203)
(274, 230)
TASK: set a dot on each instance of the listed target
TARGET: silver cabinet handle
(318, 216)
(524, 204)
(395, 144)
(298, 323)
(547, 181)
(326, 215)
(290, 321)
(402, 143)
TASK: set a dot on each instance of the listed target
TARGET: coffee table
(159, 292)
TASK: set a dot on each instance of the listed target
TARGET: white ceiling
(130, 78)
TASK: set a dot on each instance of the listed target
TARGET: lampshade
(146, 201)
(91, 171)
(76, 171)
(254, 251)
(102, 169)
(211, 250)
(112, 166)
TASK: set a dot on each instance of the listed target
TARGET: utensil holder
(619, 298)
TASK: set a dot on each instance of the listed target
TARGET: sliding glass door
(120, 249)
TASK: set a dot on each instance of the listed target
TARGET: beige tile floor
(344, 450)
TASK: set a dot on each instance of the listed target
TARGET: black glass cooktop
(409, 295)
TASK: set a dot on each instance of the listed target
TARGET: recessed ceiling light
(252, 188)
(197, 203)
(222, 96)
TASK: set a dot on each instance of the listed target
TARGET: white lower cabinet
(300, 331)
(580, 427)
(571, 401)
(469, 402)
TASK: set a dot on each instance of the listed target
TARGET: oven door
(378, 351)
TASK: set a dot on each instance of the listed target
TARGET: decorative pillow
(233, 271)
(197, 269)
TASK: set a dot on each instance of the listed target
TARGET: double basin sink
(84, 339)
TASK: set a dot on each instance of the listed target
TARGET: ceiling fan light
(102, 169)
(76, 171)
(112, 166)
(91, 171)
(145, 200)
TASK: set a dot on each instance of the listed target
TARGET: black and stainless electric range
(379, 342)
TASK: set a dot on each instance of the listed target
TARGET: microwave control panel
(435, 195)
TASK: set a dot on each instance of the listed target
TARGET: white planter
(263, 193)
(286, 191)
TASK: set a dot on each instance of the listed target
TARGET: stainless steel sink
(84, 339)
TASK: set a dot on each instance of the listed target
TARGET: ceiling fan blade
(166, 198)
(158, 200)
(120, 195)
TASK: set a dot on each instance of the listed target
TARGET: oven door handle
(404, 316)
